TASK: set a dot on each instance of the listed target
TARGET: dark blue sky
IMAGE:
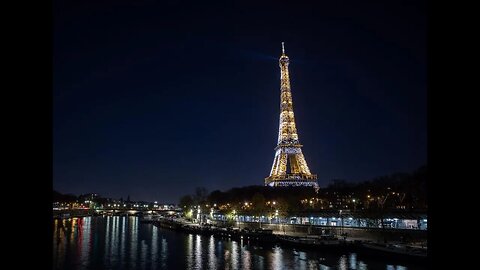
(154, 98)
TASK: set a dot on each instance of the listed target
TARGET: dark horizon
(154, 99)
(330, 184)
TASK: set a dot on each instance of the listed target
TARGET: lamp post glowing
(271, 207)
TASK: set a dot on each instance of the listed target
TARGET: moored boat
(398, 250)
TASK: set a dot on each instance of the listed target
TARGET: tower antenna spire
(283, 47)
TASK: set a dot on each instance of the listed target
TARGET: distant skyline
(154, 99)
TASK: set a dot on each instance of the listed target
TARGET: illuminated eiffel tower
(289, 166)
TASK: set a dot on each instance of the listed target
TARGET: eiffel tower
(289, 166)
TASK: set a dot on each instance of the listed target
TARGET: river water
(125, 243)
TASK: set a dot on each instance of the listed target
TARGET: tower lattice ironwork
(289, 165)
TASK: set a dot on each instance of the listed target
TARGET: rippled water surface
(125, 243)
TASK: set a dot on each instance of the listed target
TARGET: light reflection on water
(124, 243)
(276, 258)
(164, 254)
(84, 238)
(234, 259)
(189, 251)
(198, 252)
(353, 261)
(212, 259)
(133, 232)
(246, 258)
(342, 264)
(154, 251)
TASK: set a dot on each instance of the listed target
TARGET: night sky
(154, 98)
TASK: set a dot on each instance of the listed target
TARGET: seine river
(125, 243)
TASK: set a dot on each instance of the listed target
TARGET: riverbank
(327, 239)
(121, 242)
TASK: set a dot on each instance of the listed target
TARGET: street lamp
(271, 207)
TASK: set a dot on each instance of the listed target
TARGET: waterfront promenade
(345, 236)
(378, 243)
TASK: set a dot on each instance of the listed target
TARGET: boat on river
(396, 250)
(312, 241)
